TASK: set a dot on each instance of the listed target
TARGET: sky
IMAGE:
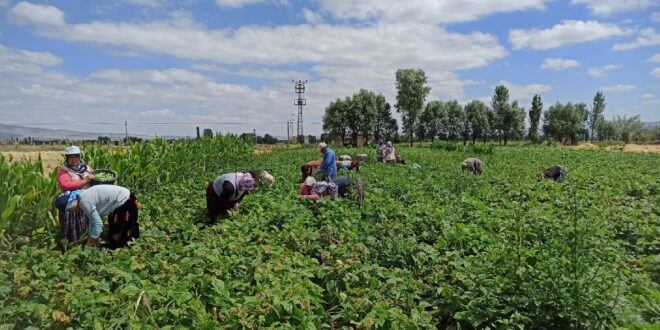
(165, 67)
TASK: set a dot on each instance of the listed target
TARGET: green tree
(596, 113)
(476, 117)
(363, 111)
(208, 133)
(628, 128)
(493, 131)
(385, 125)
(507, 117)
(429, 120)
(564, 123)
(335, 118)
(535, 118)
(518, 131)
(452, 119)
(605, 130)
(411, 93)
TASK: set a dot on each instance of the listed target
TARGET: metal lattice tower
(300, 102)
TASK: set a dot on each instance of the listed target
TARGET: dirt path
(618, 147)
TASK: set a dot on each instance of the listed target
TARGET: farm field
(433, 247)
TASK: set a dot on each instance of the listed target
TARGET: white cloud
(339, 46)
(647, 37)
(655, 17)
(342, 58)
(169, 76)
(656, 73)
(424, 11)
(654, 59)
(41, 15)
(566, 33)
(602, 71)
(18, 55)
(524, 93)
(237, 3)
(648, 96)
(558, 64)
(606, 8)
(312, 17)
(618, 88)
(145, 3)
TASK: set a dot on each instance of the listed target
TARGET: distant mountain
(652, 124)
(8, 132)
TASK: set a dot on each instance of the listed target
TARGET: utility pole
(300, 102)
(288, 130)
(126, 128)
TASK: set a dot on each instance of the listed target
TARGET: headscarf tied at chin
(245, 182)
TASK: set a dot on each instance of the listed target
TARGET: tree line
(369, 115)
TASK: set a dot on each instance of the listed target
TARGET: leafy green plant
(431, 248)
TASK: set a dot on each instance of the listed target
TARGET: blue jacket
(329, 163)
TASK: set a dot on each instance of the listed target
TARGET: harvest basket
(106, 177)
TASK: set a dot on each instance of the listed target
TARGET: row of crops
(433, 247)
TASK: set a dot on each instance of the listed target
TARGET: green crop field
(433, 247)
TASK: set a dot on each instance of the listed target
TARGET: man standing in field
(329, 163)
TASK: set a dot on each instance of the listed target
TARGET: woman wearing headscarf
(474, 165)
(118, 203)
(339, 187)
(74, 174)
(390, 157)
(226, 192)
(380, 151)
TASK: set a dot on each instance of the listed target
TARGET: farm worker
(74, 174)
(118, 203)
(316, 189)
(344, 157)
(261, 177)
(338, 187)
(226, 193)
(329, 163)
(362, 157)
(557, 173)
(380, 151)
(389, 157)
(474, 165)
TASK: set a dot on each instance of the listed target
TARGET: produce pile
(432, 247)
(104, 176)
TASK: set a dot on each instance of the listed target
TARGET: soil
(618, 147)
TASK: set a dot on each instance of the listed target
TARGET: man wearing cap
(329, 163)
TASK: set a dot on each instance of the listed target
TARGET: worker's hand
(236, 206)
(87, 178)
(74, 205)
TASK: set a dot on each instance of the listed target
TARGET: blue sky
(168, 66)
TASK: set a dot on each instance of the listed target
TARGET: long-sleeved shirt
(225, 187)
(101, 200)
(69, 181)
(329, 163)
